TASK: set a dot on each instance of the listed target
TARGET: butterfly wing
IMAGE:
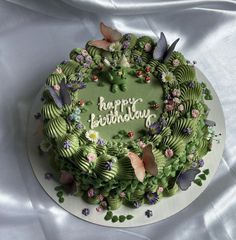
(103, 44)
(110, 35)
(149, 160)
(57, 99)
(170, 50)
(185, 179)
(210, 123)
(64, 93)
(137, 165)
(161, 48)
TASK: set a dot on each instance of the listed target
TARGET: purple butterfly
(61, 99)
(185, 179)
(162, 52)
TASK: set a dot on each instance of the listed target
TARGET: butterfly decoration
(162, 51)
(146, 163)
(209, 123)
(61, 97)
(185, 178)
(110, 36)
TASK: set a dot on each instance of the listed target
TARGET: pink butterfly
(147, 163)
(110, 36)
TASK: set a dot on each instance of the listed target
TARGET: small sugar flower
(141, 144)
(126, 44)
(79, 126)
(100, 197)
(91, 193)
(108, 165)
(168, 77)
(58, 70)
(176, 62)
(195, 113)
(99, 209)
(191, 85)
(57, 87)
(92, 135)
(79, 58)
(169, 107)
(187, 131)
(176, 100)
(201, 163)
(91, 157)
(122, 194)
(128, 37)
(67, 144)
(115, 47)
(181, 107)
(138, 59)
(169, 153)
(136, 204)
(101, 142)
(190, 156)
(88, 59)
(160, 189)
(103, 204)
(152, 197)
(84, 52)
(176, 92)
(86, 65)
(75, 116)
(147, 47)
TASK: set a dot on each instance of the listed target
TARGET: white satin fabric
(36, 35)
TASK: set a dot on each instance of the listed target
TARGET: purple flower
(108, 165)
(136, 204)
(148, 213)
(85, 211)
(48, 175)
(86, 65)
(152, 197)
(126, 44)
(79, 58)
(187, 131)
(201, 163)
(156, 127)
(82, 85)
(67, 144)
(101, 142)
(79, 126)
(191, 85)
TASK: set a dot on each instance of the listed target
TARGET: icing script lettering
(120, 111)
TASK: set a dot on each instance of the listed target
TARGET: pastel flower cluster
(84, 58)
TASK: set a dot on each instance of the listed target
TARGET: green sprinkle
(114, 219)
(202, 176)
(206, 171)
(61, 200)
(122, 218)
(198, 182)
(129, 217)
(60, 194)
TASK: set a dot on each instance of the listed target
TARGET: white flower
(84, 52)
(168, 77)
(107, 63)
(92, 135)
(176, 100)
(124, 62)
(115, 47)
(148, 47)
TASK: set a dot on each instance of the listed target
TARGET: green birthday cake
(125, 121)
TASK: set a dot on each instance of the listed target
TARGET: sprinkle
(67, 144)
(149, 213)
(152, 197)
(48, 175)
(85, 211)
(169, 153)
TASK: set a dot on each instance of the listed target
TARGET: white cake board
(163, 209)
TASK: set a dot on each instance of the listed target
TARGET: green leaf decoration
(198, 182)
(202, 176)
(129, 217)
(206, 171)
(61, 200)
(122, 218)
(108, 216)
(60, 194)
(114, 219)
